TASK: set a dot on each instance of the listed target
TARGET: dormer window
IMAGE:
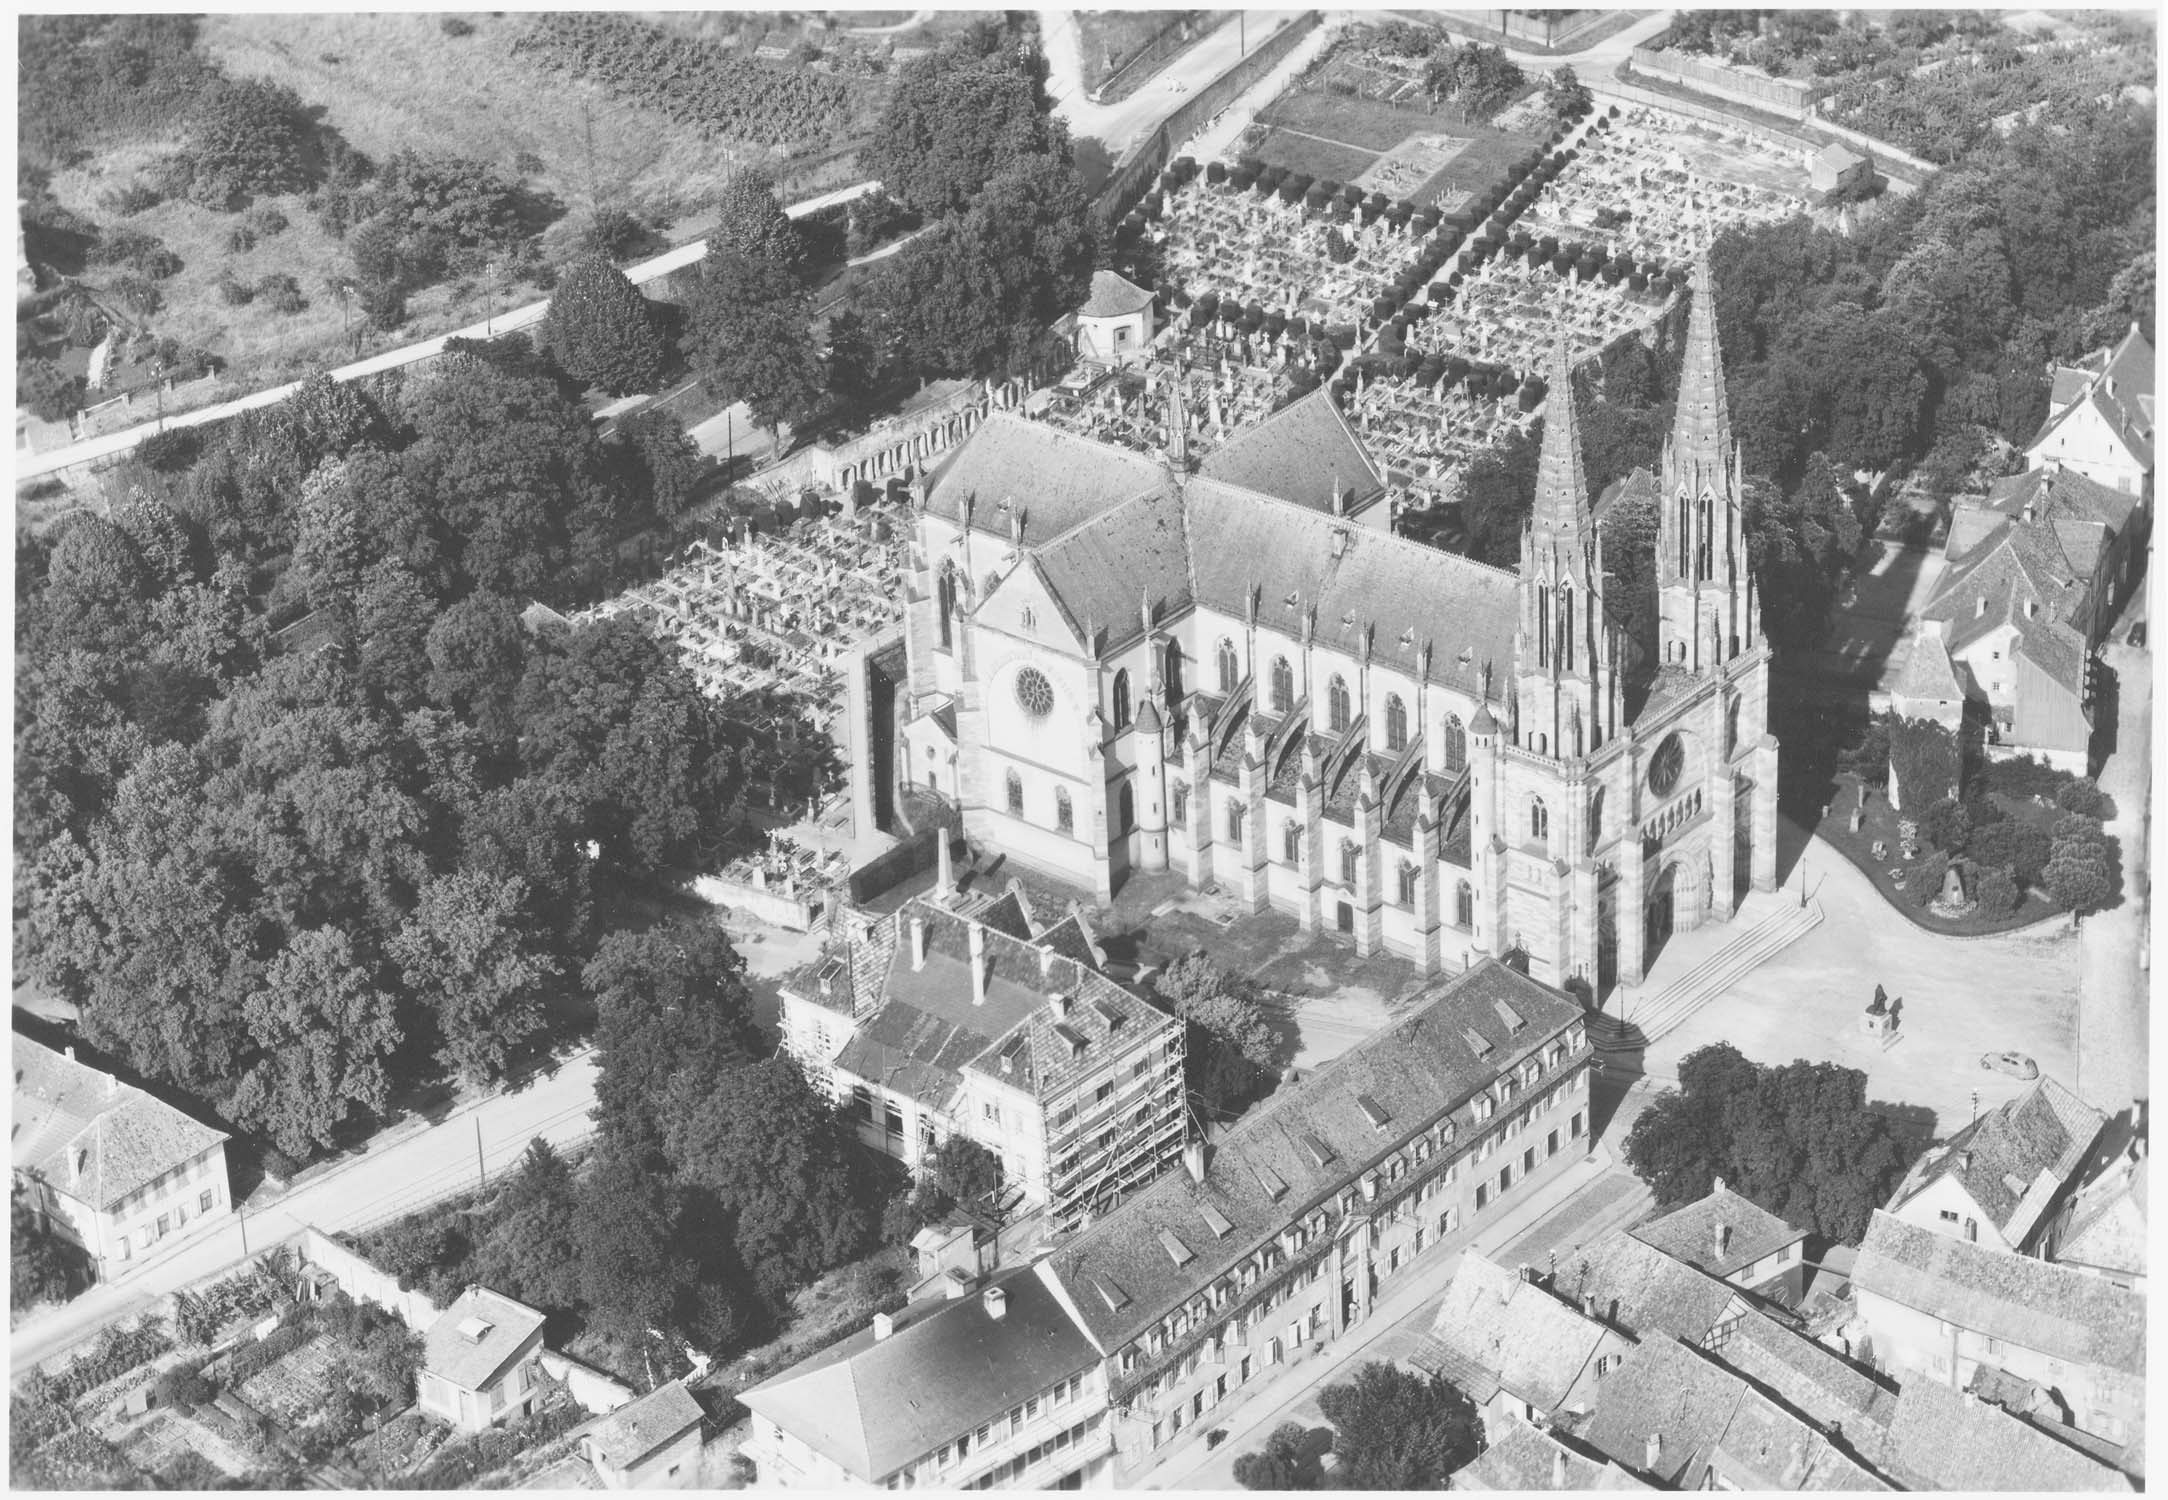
(1980, 608)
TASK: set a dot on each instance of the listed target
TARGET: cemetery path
(32, 465)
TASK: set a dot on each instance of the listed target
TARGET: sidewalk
(1251, 1412)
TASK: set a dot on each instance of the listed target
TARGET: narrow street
(2112, 1021)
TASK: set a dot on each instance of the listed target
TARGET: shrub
(170, 451)
(1924, 884)
(1996, 890)
(185, 1384)
(2082, 794)
(120, 247)
(1946, 825)
(137, 294)
(45, 391)
(454, 26)
(281, 292)
(133, 199)
(234, 292)
(527, 164)
(159, 264)
(614, 233)
(383, 303)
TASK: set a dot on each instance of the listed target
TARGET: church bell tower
(1710, 610)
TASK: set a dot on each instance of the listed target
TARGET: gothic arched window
(1291, 842)
(1064, 813)
(1121, 699)
(1464, 905)
(1349, 854)
(1175, 686)
(1283, 685)
(1539, 819)
(1396, 722)
(1230, 666)
(1337, 712)
(1456, 743)
(945, 604)
(1236, 813)
(1408, 875)
(1016, 795)
(1126, 809)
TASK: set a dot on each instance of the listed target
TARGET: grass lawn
(1881, 823)
(1340, 137)
(1321, 159)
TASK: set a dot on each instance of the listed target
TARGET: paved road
(408, 1166)
(1119, 125)
(32, 465)
(2112, 990)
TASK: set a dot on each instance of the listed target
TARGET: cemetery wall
(1617, 91)
(776, 907)
(1143, 161)
(1882, 151)
(1780, 96)
(364, 1282)
(885, 871)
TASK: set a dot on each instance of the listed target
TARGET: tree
(601, 330)
(532, 1249)
(1566, 95)
(2079, 873)
(750, 337)
(249, 138)
(470, 957)
(477, 651)
(955, 119)
(1947, 826)
(39, 1266)
(662, 465)
(1996, 891)
(668, 1000)
(1923, 762)
(631, 1277)
(2021, 847)
(1398, 1431)
(783, 1164)
(1288, 1461)
(1798, 1139)
(964, 1170)
(326, 1031)
(749, 220)
(854, 364)
(1197, 989)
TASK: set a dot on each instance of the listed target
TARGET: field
(387, 81)
(1341, 138)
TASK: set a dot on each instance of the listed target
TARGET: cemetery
(776, 615)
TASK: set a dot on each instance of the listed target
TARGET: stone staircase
(1654, 1015)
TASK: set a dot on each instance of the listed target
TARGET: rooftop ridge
(1369, 537)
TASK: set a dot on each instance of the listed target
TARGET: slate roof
(1297, 454)
(1057, 479)
(1690, 1233)
(922, 1030)
(1113, 296)
(1523, 1339)
(67, 1112)
(638, 1428)
(1638, 1288)
(2054, 1310)
(1927, 675)
(1101, 573)
(1813, 1380)
(1936, 1439)
(2119, 385)
(1527, 1458)
(1117, 1271)
(2012, 566)
(2014, 1159)
(873, 1406)
(470, 1363)
(2063, 493)
(2106, 1228)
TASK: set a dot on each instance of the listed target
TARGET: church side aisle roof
(1298, 455)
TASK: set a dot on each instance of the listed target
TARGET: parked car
(2137, 634)
(2016, 1064)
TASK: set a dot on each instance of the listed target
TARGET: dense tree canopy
(1797, 1139)
(750, 336)
(957, 118)
(600, 329)
(1394, 1430)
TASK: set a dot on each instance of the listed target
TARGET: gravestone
(1953, 888)
(1858, 812)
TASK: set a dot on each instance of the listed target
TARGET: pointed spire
(1177, 421)
(1701, 432)
(1561, 480)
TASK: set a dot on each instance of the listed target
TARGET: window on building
(1121, 699)
(1396, 722)
(1125, 809)
(1349, 854)
(1016, 795)
(1236, 814)
(945, 604)
(1408, 875)
(1456, 743)
(1539, 819)
(1230, 666)
(208, 1200)
(1338, 711)
(1283, 685)
(1464, 904)
(1291, 841)
(1178, 804)
(1064, 813)
(1174, 679)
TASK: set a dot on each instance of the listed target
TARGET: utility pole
(489, 300)
(481, 1172)
(158, 388)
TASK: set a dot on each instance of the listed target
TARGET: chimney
(1060, 1004)
(918, 943)
(1558, 1468)
(1971, 1399)
(997, 1303)
(69, 1052)
(1193, 1161)
(944, 881)
(982, 964)
(1723, 1238)
(1652, 1451)
(883, 1326)
(1588, 1306)
(1717, 1186)
(1528, 1273)
(1964, 1159)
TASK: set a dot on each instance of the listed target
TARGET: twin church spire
(1566, 693)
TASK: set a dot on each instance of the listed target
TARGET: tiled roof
(2013, 1159)
(472, 1341)
(1639, 486)
(1055, 479)
(2012, 567)
(1298, 454)
(1302, 1146)
(1927, 675)
(948, 1367)
(1113, 296)
(1814, 1381)
(2055, 1310)
(1527, 1458)
(1642, 1290)
(89, 1136)
(1533, 1345)
(1691, 1233)
(2061, 493)
(1938, 1439)
(1407, 594)
(922, 1028)
(638, 1428)
(1104, 572)
(2106, 1228)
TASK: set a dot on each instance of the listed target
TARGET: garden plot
(292, 1388)
(162, 1438)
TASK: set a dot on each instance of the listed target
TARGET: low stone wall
(1779, 96)
(596, 1392)
(778, 906)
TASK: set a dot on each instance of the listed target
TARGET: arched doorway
(1657, 932)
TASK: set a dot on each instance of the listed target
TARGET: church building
(1234, 670)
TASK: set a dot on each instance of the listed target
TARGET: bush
(133, 199)
(614, 233)
(170, 451)
(281, 292)
(159, 264)
(454, 26)
(138, 295)
(234, 292)
(1996, 891)
(1924, 884)
(383, 303)
(116, 1351)
(1947, 826)
(253, 1359)
(2081, 794)
(185, 1384)
(120, 247)
(48, 394)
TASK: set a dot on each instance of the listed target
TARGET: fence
(1132, 177)
(1779, 96)
(364, 1282)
